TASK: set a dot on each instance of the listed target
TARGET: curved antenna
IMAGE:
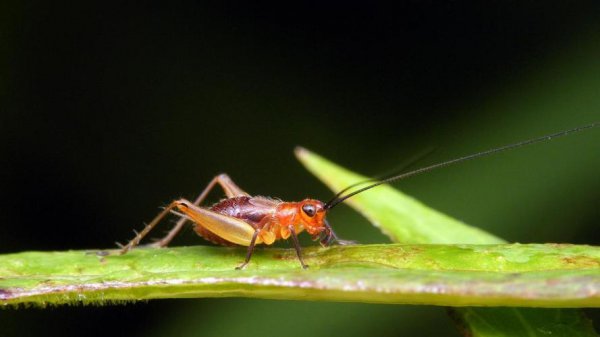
(392, 173)
(333, 203)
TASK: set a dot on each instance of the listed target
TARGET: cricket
(245, 220)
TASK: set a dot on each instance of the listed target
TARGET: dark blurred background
(108, 112)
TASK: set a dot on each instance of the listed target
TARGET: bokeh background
(110, 111)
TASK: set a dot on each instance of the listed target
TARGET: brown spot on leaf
(581, 261)
(48, 282)
(417, 249)
(560, 245)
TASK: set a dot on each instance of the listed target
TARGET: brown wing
(249, 209)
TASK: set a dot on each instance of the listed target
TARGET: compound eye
(309, 209)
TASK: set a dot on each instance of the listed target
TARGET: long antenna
(336, 201)
(404, 166)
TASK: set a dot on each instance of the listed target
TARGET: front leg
(330, 237)
(297, 246)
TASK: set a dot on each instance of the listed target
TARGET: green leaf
(457, 275)
(436, 274)
(406, 220)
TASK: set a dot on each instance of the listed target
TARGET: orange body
(272, 218)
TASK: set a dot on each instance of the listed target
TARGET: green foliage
(406, 220)
(465, 267)
(457, 275)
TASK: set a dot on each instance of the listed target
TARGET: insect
(244, 220)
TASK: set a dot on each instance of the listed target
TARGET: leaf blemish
(5, 294)
(581, 261)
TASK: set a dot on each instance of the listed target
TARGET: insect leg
(231, 190)
(330, 237)
(250, 250)
(297, 246)
(136, 240)
(229, 228)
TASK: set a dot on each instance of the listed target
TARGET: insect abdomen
(248, 209)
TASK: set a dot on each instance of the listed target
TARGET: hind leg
(229, 187)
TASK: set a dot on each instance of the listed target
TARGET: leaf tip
(301, 152)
